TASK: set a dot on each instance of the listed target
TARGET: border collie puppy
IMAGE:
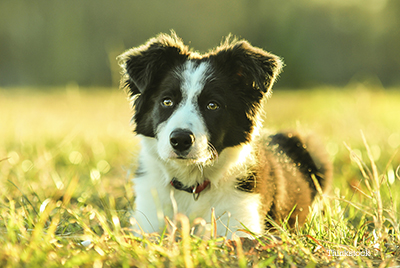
(201, 146)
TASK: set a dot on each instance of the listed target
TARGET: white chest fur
(156, 198)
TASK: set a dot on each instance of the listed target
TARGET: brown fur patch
(284, 173)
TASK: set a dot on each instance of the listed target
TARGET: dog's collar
(194, 189)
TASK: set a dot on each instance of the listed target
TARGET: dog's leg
(148, 215)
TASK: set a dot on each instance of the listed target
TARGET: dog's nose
(181, 139)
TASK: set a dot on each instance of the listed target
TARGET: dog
(202, 143)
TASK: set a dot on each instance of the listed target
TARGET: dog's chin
(191, 159)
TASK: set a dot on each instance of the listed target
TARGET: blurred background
(55, 54)
(323, 42)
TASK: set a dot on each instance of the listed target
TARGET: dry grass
(66, 162)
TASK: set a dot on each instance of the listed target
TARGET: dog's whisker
(201, 168)
(213, 151)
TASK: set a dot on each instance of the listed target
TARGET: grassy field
(67, 157)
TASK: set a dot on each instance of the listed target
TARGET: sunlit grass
(67, 157)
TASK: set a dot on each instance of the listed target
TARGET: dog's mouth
(205, 157)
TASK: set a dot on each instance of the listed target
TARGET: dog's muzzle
(181, 140)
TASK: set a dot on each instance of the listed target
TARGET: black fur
(294, 148)
(241, 76)
(248, 183)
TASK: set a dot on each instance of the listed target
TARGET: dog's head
(196, 105)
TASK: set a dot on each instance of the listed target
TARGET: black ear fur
(146, 65)
(256, 66)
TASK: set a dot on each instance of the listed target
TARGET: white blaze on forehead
(187, 115)
(193, 78)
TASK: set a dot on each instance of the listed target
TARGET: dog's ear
(145, 66)
(249, 64)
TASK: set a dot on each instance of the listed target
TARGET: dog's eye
(167, 102)
(212, 106)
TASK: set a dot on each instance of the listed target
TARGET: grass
(66, 161)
